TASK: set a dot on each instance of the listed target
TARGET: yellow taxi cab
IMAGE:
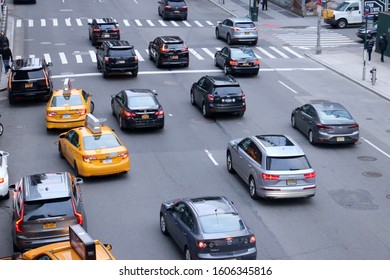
(94, 149)
(68, 107)
(79, 247)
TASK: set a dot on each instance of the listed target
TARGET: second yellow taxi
(94, 149)
(68, 107)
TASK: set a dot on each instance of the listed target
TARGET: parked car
(237, 30)
(325, 122)
(172, 9)
(103, 29)
(208, 228)
(274, 166)
(218, 94)
(237, 60)
(136, 108)
(371, 32)
(168, 50)
(29, 78)
(4, 193)
(117, 57)
(44, 205)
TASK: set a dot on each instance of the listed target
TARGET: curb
(223, 8)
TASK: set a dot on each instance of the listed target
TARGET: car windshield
(41, 209)
(333, 115)
(245, 24)
(71, 100)
(218, 223)
(342, 7)
(141, 101)
(121, 53)
(242, 53)
(287, 163)
(28, 75)
(228, 90)
(104, 141)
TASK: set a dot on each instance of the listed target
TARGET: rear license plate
(247, 33)
(49, 225)
(120, 61)
(291, 182)
(66, 116)
(174, 57)
(245, 64)
(107, 160)
(145, 116)
(106, 35)
(177, 12)
(227, 100)
(28, 85)
(340, 139)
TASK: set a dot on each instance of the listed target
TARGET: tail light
(256, 28)
(128, 114)
(185, 48)
(106, 59)
(354, 126)
(81, 112)
(210, 98)
(184, 8)
(167, 7)
(256, 62)
(51, 114)
(115, 29)
(78, 215)
(135, 58)
(269, 176)
(310, 175)
(252, 239)
(236, 29)
(322, 126)
(201, 244)
(1, 180)
(89, 159)
(163, 49)
(159, 113)
(123, 155)
(243, 96)
(95, 30)
(46, 79)
(18, 223)
(233, 62)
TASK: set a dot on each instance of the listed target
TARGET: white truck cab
(348, 12)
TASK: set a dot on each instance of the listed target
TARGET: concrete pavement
(343, 61)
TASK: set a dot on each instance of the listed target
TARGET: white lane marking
(79, 59)
(92, 54)
(279, 52)
(265, 52)
(206, 50)
(18, 23)
(43, 22)
(198, 23)
(30, 23)
(186, 23)
(209, 23)
(79, 22)
(63, 58)
(198, 56)
(89, 20)
(150, 22)
(174, 23)
(47, 57)
(55, 22)
(126, 22)
(162, 22)
(18, 57)
(140, 58)
(375, 147)
(287, 87)
(293, 52)
(32, 56)
(138, 22)
(211, 157)
(67, 22)
(218, 48)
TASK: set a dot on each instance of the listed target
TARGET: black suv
(29, 78)
(172, 9)
(216, 94)
(103, 29)
(117, 56)
(169, 50)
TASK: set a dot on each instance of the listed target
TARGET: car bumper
(102, 39)
(131, 123)
(244, 38)
(245, 70)
(51, 124)
(230, 109)
(183, 61)
(25, 244)
(89, 169)
(332, 22)
(121, 69)
(337, 138)
(250, 254)
(175, 15)
(41, 94)
(4, 187)
(286, 192)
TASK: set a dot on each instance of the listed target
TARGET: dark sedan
(325, 122)
(371, 32)
(237, 60)
(137, 108)
(208, 228)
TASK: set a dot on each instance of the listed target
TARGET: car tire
(15, 248)
(217, 34)
(252, 188)
(121, 126)
(1, 129)
(293, 121)
(164, 17)
(11, 100)
(254, 42)
(150, 55)
(134, 73)
(310, 136)
(256, 73)
(205, 110)
(341, 23)
(98, 66)
(92, 108)
(228, 39)
(192, 98)
(105, 74)
(158, 11)
(216, 62)
(6, 196)
(186, 64)
(60, 150)
(157, 62)
(187, 254)
(241, 114)
(163, 225)
(229, 163)
(226, 70)
(184, 18)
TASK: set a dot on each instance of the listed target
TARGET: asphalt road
(348, 217)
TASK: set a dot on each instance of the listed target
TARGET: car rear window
(107, 26)
(217, 223)
(60, 101)
(122, 53)
(245, 24)
(226, 90)
(335, 115)
(141, 101)
(287, 163)
(242, 53)
(104, 141)
(174, 46)
(43, 209)
(28, 75)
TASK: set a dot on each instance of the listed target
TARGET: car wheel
(6, 196)
(121, 124)
(164, 17)
(112, 109)
(134, 73)
(16, 249)
(293, 121)
(92, 107)
(105, 74)
(229, 163)
(187, 254)
(157, 62)
(150, 55)
(98, 66)
(216, 62)
(241, 114)
(192, 97)
(11, 100)
(254, 42)
(205, 110)
(226, 70)
(228, 39)
(163, 225)
(342, 23)
(311, 137)
(186, 64)
(1, 129)
(60, 150)
(217, 34)
(158, 11)
(252, 188)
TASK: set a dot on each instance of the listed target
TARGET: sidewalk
(347, 64)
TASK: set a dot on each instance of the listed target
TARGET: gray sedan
(325, 122)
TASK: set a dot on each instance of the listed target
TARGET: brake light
(51, 114)
(163, 49)
(184, 8)
(201, 244)
(106, 59)
(322, 126)
(167, 7)
(123, 155)
(252, 239)
(310, 175)
(18, 223)
(81, 112)
(78, 215)
(115, 29)
(233, 62)
(46, 79)
(256, 62)
(210, 98)
(354, 126)
(128, 114)
(185, 49)
(159, 113)
(236, 29)
(269, 176)
(136, 58)
(88, 159)
(95, 30)
(1, 180)
(243, 96)
(256, 28)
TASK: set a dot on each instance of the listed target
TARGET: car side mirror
(49, 64)
(62, 135)
(13, 186)
(79, 180)
(108, 246)
(112, 96)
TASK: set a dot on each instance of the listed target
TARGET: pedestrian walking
(264, 4)
(369, 44)
(6, 55)
(4, 42)
(382, 45)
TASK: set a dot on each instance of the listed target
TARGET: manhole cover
(388, 196)
(372, 174)
(367, 158)
(354, 199)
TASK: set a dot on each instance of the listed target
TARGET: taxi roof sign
(93, 124)
(67, 86)
(82, 242)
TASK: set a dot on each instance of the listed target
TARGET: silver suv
(235, 30)
(274, 166)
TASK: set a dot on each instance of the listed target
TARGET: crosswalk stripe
(43, 22)
(293, 52)
(63, 58)
(265, 52)
(140, 58)
(89, 20)
(162, 22)
(92, 54)
(18, 57)
(55, 22)
(79, 22)
(47, 57)
(218, 48)
(32, 56)
(150, 22)
(206, 50)
(30, 23)
(79, 59)
(126, 22)
(258, 56)
(174, 23)
(138, 22)
(198, 56)
(209, 23)
(198, 23)
(67, 22)
(279, 52)
(18, 23)
(186, 23)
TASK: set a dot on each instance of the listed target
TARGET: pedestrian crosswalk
(200, 54)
